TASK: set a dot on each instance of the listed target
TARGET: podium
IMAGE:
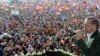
(53, 53)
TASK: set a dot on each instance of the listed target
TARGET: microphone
(72, 33)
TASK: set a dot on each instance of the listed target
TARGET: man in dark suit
(90, 45)
(1, 51)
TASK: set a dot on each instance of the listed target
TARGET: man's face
(88, 26)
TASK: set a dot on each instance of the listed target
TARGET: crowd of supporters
(43, 29)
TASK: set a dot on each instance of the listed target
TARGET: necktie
(89, 42)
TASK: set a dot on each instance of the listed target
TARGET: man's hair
(94, 21)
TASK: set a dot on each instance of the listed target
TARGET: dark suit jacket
(94, 50)
(1, 52)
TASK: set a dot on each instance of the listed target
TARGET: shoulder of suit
(96, 33)
(97, 36)
(99, 33)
